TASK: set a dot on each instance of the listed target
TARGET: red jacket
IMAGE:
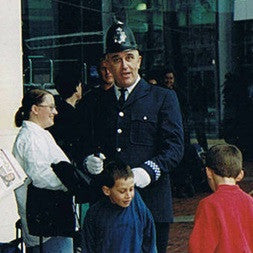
(223, 222)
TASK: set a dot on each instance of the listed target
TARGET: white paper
(11, 173)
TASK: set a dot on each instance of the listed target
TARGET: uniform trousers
(162, 236)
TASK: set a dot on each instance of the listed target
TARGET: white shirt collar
(30, 124)
(129, 89)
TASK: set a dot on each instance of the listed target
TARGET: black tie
(122, 96)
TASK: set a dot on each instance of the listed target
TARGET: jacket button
(121, 114)
(145, 118)
(119, 131)
(118, 149)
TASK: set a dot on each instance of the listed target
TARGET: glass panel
(196, 12)
(203, 12)
(59, 35)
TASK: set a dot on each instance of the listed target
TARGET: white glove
(94, 164)
(141, 177)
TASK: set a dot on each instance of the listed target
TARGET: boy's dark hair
(113, 171)
(225, 160)
(66, 83)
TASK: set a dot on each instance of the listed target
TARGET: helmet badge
(120, 36)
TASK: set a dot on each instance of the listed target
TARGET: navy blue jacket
(146, 132)
(109, 228)
(67, 129)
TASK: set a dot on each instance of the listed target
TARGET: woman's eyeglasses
(51, 107)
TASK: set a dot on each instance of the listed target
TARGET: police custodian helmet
(119, 38)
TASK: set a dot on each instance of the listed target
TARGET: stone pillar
(11, 85)
(224, 28)
(11, 92)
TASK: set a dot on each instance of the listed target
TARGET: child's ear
(209, 173)
(240, 176)
(106, 190)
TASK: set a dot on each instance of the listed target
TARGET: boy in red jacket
(223, 221)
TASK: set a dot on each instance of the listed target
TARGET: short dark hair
(152, 74)
(169, 69)
(113, 171)
(225, 160)
(66, 83)
(101, 60)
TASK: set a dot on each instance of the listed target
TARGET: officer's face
(124, 67)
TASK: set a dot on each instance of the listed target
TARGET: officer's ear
(139, 61)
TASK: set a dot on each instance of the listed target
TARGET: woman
(35, 150)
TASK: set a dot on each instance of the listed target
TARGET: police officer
(140, 124)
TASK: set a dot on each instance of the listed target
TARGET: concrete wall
(224, 25)
(11, 89)
(11, 86)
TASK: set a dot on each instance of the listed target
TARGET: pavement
(184, 210)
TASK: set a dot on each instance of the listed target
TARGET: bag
(189, 177)
(76, 181)
(49, 212)
(196, 162)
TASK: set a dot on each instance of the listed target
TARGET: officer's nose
(124, 64)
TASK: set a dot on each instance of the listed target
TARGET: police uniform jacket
(145, 132)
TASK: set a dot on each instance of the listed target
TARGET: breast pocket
(143, 129)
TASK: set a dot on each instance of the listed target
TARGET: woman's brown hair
(32, 97)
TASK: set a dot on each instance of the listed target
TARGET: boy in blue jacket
(120, 222)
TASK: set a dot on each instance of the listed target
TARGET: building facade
(11, 91)
(195, 36)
